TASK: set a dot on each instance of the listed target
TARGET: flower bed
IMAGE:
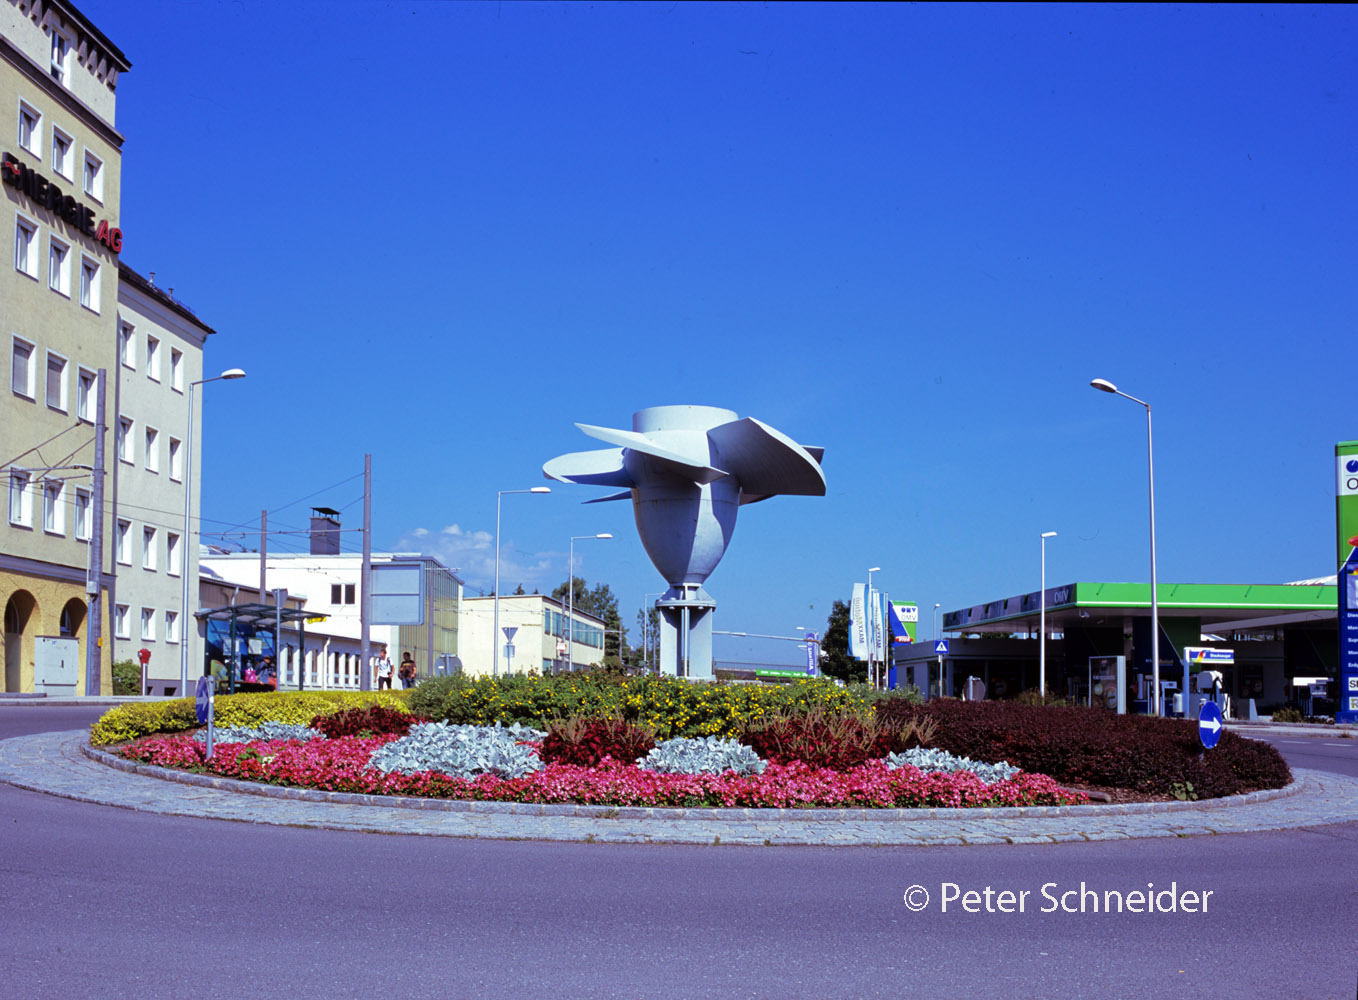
(345, 765)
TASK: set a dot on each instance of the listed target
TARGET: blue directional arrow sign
(941, 646)
(1209, 724)
(202, 699)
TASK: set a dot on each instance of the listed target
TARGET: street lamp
(495, 633)
(184, 616)
(1042, 623)
(648, 633)
(1103, 385)
(872, 626)
(570, 599)
(936, 635)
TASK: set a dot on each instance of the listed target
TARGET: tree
(648, 625)
(836, 661)
(519, 591)
(600, 603)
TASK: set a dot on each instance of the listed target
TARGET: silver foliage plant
(461, 751)
(263, 731)
(701, 756)
(941, 760)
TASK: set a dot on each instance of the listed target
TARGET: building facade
(539, 638)
(60, 163)
(159, 354)
(331, 584)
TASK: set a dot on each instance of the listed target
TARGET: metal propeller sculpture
(687, 471)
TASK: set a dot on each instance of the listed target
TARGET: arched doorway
(19, 611)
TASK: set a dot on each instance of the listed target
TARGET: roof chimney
(325, 531)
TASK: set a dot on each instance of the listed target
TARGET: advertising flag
(878, 627)
(858, 623)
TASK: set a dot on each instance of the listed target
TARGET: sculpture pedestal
(686, 632)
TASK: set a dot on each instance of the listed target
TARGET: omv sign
(1348, 475)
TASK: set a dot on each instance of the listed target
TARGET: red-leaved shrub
(584, 742)
(835, 740)
(1096, 747)
(373, 720)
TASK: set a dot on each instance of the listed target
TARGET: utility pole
(94, 580)
(365, 604)
(263, 551)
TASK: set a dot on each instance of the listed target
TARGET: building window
(30, 129)
(148, 548)
(82, 514)
(152, 450)
(176, 369)
(26, 247)
(172, 626)
(61, 55)
(176, 460)
(56, 382)
(21, 369)
(123, 540)
(126, 449)
(89, 284)
(127, 345)
(94, 177)
(58, 274)
(121, 625)
(54, 508)
(20, 498)
(86, 394)
(148, 624)
(172, 553)
(342, 593)
(63, 154)
(153, 358)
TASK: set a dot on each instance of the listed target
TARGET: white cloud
(472, 554)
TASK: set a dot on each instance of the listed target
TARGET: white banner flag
(858, 623)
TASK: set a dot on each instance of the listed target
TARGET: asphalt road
(105, 902)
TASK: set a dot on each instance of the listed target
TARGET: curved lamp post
(1103, 385)
(495, 634)
(184, 614)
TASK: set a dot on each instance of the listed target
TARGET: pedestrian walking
(407, 671)
(384, 670)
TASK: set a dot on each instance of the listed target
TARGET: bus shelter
(241, 643)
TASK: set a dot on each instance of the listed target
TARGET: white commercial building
(539, 636)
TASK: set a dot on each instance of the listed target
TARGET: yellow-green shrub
(129, 722)
(674, 707)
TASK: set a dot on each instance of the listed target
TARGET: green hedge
(674, 707)
(129, 722)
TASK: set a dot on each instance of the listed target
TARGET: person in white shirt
(384, 670)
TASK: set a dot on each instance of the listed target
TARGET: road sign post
(1209, 724)
(941, 648)
(204, 702)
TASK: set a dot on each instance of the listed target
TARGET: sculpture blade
(624, 495)
(695, 467)
(592, 468)
(766, 461)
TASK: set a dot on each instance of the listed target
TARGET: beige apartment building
(60, 165)
(69, 310)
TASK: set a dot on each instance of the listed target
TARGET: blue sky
(442, 233)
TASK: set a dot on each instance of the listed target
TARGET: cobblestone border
(666, 813)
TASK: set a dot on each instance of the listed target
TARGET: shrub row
(1092, 746)
(669, 705)
(128, 722)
